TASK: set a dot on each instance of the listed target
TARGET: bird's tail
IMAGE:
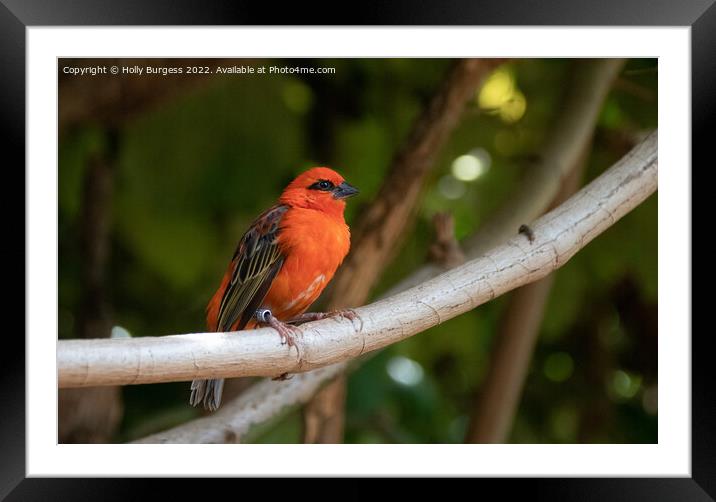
(208, 392)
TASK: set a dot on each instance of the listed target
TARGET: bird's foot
(286, 331)
(349, 314)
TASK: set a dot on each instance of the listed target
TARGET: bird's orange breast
(314, 245)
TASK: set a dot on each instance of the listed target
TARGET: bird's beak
(344, 190)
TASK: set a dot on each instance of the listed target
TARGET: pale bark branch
(257, 405)
(558, 236)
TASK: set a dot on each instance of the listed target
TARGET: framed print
(446, 242)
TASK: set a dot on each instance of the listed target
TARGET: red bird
(281, 265)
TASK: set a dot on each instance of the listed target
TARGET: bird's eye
(324, 185)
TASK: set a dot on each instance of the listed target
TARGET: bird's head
(319, 188)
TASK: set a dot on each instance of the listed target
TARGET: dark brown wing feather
(257, 260)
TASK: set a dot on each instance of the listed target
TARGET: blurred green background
(191, 173)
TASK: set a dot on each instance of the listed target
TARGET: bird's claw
(287, 332)
(349, 314)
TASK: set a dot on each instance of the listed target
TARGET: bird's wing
(256, 262)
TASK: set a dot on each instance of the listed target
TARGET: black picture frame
(17, 15)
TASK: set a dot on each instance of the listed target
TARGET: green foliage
(192, 173)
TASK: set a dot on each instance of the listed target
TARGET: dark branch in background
(95, 222)
(92, 415)
(379, 233)
(493, 410)
(445, 251)
(323, 416)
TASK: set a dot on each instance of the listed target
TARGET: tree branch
(558, 236)
(323, 415)
(257, 405)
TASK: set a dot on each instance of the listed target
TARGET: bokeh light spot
(650, 400)
(564, 422)
(497, 90)
(467, 168)
(471, 166)
(451, 187)
(120, 332)
(625, 385)
(513, 109)
(500, 95)
(405, 371)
